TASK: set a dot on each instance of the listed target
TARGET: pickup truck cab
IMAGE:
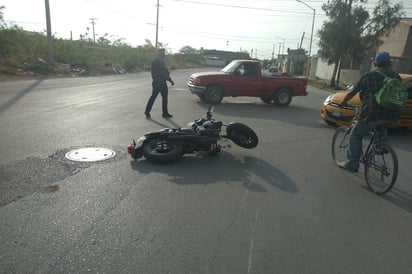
(244, 78)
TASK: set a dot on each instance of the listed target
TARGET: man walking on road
(160, 74)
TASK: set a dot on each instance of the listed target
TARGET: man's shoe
(345, 166)
(147, 115)
(167, 115)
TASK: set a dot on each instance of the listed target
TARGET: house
(398, 43)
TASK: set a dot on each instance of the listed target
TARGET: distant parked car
(273, 70)
(335, 115)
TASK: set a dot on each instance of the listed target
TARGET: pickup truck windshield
(231, 67)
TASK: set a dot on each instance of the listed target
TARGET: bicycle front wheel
(381, 168)
(340, 143)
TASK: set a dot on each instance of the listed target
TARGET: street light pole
(313, 23)
(311, 33)
(157, 25)
(50, 54)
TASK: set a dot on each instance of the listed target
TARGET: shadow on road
(292, 114)
(399, 198)
(253, 173)
(400, 138)
(171, 123)
(20, 95)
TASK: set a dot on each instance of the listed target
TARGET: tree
(1, 17)
(104, 40)
(351, 31)
(188, 50)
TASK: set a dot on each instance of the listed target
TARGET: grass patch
(324, 84)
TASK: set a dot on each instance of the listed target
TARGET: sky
(260, 27)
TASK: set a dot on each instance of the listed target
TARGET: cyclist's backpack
(392, 95)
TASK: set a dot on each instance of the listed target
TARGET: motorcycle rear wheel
(162, 151)
(242, 135)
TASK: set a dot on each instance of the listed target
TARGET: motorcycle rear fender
(137, 153)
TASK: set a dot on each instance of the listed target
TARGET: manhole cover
(90, 154)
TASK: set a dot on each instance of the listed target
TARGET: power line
(237, 6)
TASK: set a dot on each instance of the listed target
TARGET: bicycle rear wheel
(381, 168)
(340, 143)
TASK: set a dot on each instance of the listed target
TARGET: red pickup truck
(245, 78)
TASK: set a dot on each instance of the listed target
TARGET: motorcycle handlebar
(209, 112)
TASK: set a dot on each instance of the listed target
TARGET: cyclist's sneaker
(347, 167)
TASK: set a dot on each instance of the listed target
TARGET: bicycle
(379, 159)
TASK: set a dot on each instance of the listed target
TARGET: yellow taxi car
(335, 115)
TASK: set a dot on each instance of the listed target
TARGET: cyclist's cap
(382, 57)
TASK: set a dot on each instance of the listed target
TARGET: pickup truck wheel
(283, 97)
(267, 100)
(214, 95)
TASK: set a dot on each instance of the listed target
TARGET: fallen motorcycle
(202, 134)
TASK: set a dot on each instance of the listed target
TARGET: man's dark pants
(158, 87)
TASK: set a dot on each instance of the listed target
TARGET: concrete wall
(348, 76)
(320, 69)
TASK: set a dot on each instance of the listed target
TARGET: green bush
(24, 50)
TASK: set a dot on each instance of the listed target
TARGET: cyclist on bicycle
(371, 113)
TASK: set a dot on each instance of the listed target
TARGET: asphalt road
(280, 208)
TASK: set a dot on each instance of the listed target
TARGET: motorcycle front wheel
(162, 151)
(242, 135)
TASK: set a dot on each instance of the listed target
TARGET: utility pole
(49, 34)
(92, 21)
(301, 40)
(157, 24)
(273, 52)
